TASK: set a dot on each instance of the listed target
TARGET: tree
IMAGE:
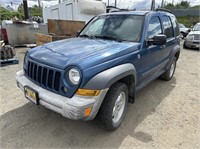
(183, 5)
(169, 6)
(7, 15)
(35, 11)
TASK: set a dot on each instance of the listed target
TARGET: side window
(154, 27)
(168, 29)
(175, 25)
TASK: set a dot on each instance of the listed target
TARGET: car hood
(184, 29)
(81, 52)
(194, 32)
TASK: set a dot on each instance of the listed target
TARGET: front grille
(196, 37)
(44, 76)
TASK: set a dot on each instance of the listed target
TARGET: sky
(138, 4)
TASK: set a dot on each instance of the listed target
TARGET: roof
(142, 13)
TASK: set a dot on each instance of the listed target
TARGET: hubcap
(172, 69)
(119, 107)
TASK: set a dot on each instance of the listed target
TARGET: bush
(188, 21)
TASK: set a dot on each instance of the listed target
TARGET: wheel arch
(125, 73)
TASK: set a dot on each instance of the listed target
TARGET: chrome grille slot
(44, 76)
(196, 37)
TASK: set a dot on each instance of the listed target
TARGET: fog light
(88, 111)
(64, 89)
(86, 92)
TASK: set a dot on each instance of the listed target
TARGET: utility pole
(162, 4)
(39, 4)
(25, 9)
(153, 5)
(115, 3)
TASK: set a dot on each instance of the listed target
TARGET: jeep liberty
(99, 72)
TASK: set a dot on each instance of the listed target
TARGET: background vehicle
(193, 38)
(76, 10)
(100, 71)
(183, 30)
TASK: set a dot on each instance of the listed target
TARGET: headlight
(25, 62)
(190, 37)
(25, 59)
(74, 76)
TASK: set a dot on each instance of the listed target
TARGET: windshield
(196, 27)
(115, 27)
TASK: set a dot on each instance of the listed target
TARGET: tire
(168, 74)
(110, 114)
(184, 45)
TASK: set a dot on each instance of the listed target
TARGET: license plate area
(31, 94)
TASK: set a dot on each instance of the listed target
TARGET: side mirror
(159, 39)
(189, 30)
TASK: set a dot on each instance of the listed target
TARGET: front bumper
(72, 108)
(192, 43)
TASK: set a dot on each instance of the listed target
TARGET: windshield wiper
(107, 37)
(87, 36)
(84, 35)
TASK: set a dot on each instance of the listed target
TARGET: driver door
(151, 56)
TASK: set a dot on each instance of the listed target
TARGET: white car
(193, 38)
(183, 30)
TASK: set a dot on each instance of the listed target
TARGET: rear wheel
(170, 71)
(113, 109)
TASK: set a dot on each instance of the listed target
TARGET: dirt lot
(165, 115)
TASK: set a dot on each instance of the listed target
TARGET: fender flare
(175, 50)
(107, 78)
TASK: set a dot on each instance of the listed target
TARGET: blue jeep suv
(97, 73)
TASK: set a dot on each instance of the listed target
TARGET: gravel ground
(165, 115)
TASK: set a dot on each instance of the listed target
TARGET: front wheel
(170, 71)
(184, 45)
(113, 108)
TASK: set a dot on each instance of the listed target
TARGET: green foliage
(181, 5)
(188, 20)
(35, 11)
(7, 15)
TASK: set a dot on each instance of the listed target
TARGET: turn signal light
(88, 111)
(86, 92)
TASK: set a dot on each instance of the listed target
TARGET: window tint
(154, 27)
(175, 25)
(168, 29)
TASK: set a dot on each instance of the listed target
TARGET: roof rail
(163, 9)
